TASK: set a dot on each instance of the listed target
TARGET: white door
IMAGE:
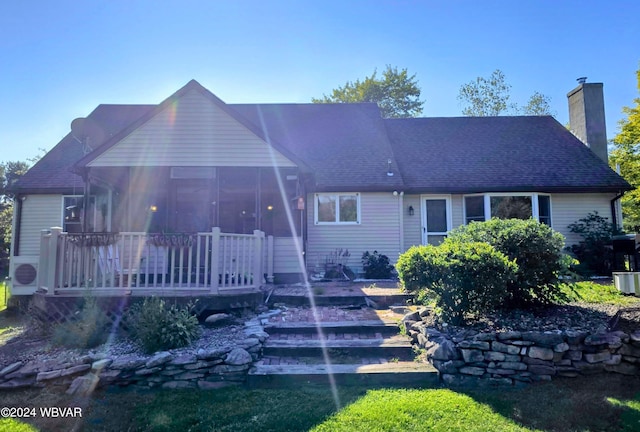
(436, 218)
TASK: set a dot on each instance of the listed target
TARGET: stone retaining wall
(511, 357)
(204, 369)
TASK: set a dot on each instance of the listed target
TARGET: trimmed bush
(464, 278)
(88, 329)
(376, 265)
(536, 249)
(157, 326)
(412, 268)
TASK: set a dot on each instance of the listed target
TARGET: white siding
(457, 212)
(191, 132)
(38, 212)
(285, 255)
(568, 208)
(379, 230)
(412, 224)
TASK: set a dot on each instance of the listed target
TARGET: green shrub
(412, 268)
(157, 326)
(536, 249)
(463, 277)
(376, 265)
(595, 251)
(88, 329)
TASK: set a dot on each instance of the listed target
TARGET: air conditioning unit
(24, 271)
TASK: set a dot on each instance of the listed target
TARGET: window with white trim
(334, 208)
(508, 206)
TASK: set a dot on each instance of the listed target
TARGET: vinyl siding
(568, 208)
(412, 224)
(379, 230)
(457, 211)
(285, 255)
(38, 212)
(191, 132)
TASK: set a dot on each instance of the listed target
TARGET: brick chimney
(586, 116)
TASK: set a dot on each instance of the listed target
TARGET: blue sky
(60, 59)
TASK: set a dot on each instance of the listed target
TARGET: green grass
(424, 410)
(600, 403)
(4, 296)
(592, 292)
(12, 425)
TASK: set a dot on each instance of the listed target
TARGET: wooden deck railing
(212, 262)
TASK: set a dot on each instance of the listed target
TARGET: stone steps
(367, 352)
(387, 328)
(387, 348)
(402, 373)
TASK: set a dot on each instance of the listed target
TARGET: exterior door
(436, 218)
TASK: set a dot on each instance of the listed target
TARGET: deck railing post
(43, 263)
(258, 270)
(51, 255)
(270, 259)
(215, 259)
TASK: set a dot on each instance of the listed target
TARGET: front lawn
(600, 403)
(594, 292)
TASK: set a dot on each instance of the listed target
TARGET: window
(475, 208)
(508, 206)
(337, 208)
(544, 209)
(72, 210)
(511, 207)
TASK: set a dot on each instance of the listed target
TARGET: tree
(626, 155)
(490, 97)
(396, 93)
(538, 105)
(9, 174)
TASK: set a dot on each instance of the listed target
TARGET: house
(196, 194)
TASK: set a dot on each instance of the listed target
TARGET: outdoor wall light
(411, 211)
(153, 208)
(269, 207)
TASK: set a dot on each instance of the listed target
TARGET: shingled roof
(496, 154)
(52, 173)
(345, 144)
(348, 146)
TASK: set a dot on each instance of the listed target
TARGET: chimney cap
(582, 80)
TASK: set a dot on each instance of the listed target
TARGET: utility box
(627, 282)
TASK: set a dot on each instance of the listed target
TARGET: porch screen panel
(237, 202)
(274, 202)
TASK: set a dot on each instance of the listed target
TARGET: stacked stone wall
(511, 357)
(204, 369)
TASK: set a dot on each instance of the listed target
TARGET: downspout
(17, 218)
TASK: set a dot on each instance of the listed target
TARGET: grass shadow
(604, 402)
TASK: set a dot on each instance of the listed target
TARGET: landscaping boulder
(218, 319)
